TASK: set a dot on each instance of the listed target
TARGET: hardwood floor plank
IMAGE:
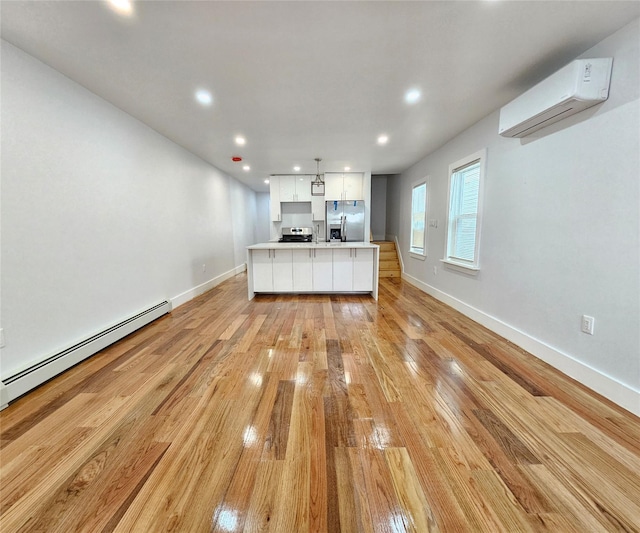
(413, 504)
(383, 502)
(275, 446)
(581, 513)
(448, 514)
(238, 495)
(501, 502)
(513, 447)
(343, 511)
(30, 503)
(506, 465)
(313, 414)
(262, 507)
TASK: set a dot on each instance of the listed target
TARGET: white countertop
(294, 245)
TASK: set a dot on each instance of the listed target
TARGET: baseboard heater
(18, 384)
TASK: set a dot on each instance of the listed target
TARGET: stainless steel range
(296, 235)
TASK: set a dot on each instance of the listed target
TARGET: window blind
(463, 212)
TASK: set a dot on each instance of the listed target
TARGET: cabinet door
(302, 270)
(282, 270)
(352, 186)
(322, 270)
(262, 271)
(274, 199)
(303, 189)
(287, 188)
(317, 207)
(342, 270)
(362, 269)
(332, 187)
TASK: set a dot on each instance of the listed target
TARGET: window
(463, 221)
(418, 219)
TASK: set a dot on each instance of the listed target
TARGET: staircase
(389, 265)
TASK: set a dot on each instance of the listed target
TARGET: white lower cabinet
(322, 270)
(313, 270)
(362, 269)
(303, 270)
(353, 270)
(272, 271)
(262, 270)
(282, 270)
(343, 270)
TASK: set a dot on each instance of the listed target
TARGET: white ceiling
(301, 80)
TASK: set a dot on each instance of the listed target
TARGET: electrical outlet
(204, 267)
(587, 324)
(1, 337)
(435, 270)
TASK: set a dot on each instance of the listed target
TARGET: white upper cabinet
(295, 188)
(287, 188)
(353, 186)
(344, 186)
(333, 187)
(317, 207)
(274, 199)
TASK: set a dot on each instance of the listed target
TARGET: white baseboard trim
(617, 392)
(4, 396)
(186, 296)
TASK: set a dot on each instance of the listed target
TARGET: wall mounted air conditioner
(581, 84)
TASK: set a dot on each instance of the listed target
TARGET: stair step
(386, 246)
(388, 256)
(389, 265)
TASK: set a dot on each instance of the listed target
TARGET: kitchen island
(324, 267)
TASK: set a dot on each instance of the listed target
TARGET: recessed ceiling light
(296, 168)
(383, 139)
(124, 7)
(246, 167)
(347, 169)
(412, 96)
(266, 181)
(240, 140)
(204, 97)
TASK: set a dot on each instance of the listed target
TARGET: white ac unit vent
(581, 84)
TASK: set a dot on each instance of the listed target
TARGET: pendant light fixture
(317, 185)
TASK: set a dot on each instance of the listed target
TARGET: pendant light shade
(317, 185)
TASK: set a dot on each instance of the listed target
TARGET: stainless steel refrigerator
(345, 220)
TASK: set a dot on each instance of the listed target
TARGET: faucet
(317, 231)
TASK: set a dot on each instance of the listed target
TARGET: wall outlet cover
(587, 324)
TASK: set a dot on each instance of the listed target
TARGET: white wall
(263, 217)
(101, 216)
(560, 232)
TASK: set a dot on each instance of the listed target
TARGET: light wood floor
(296, 414)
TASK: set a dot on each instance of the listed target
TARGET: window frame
(414, 252)
(455, 263)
